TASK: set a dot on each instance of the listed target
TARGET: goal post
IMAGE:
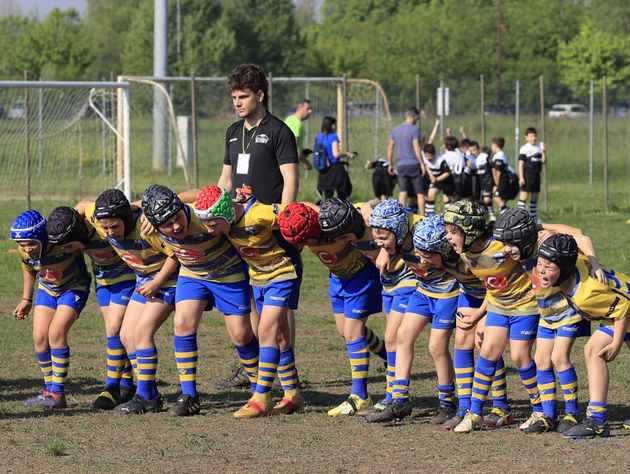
(59, 139)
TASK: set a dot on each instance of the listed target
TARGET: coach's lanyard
(243, 147)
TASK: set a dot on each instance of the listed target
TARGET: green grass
(82, 441)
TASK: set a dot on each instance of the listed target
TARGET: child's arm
(390, 156)
(462, 132)
(28, 284)
(434, 131)
(160, 278)
(620, 327)
(496, 177)
(442, 177)
(521, 173)
(543, 151)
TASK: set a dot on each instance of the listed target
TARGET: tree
(11, 29)
(591, 55)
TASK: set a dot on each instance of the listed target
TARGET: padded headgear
(392, 216)
(30, 225)
(338, 217)
(159, 204)
(429, 236)
(562, 250)
(214, 202)
(64, 225)
(470, 217)
(112, 203)
(517, 227)
(298, 222)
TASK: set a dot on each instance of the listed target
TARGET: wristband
(29, 300)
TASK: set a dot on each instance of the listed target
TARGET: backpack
(320, 157)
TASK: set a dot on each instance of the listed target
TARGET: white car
(17, 111)
(568, 111)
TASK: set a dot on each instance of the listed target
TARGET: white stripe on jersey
(532, 152)
(455, 161)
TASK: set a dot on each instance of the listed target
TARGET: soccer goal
(63, 140)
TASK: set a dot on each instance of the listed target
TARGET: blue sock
(568, 383)
(391, 374)
(359, 366)
(186, 357)
(147, 360)
(446, 394)
(287, 372)
(547, 390)
(248, 355)
(45, 365)
(464, 362)
(598, 411)
(400, 392)
(528, 379)
(498, 391)
(267, 368)
(482, 381)
(60, 361)
(126, 378)
(116, 358)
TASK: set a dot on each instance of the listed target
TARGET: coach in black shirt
(260, 149)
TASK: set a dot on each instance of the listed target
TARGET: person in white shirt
(531, 158)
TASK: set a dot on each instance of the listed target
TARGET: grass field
(81, 441)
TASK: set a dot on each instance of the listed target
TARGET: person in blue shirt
(329, 162)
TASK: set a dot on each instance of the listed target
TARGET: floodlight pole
(160, 62)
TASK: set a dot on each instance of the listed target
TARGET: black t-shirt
(269, 145)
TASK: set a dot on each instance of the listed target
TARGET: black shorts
(410, 180)
(532, 180)
(382, 182)
(486, 184)
(447, 186)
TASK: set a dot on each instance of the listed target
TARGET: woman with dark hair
(328, 160)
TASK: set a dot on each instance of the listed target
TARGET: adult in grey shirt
(404, 143)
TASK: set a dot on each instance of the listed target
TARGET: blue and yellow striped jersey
(107, 266)
(144, 254)
(583, 296)
(58, 270)
(342, 258)
(433, 282)
(508, 283)
(205, 257)
(257, 239)
(468, 282)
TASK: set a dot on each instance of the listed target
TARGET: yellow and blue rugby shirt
(508, 283)
(144, 254)
(205, 257)
(584, 297)
(58, 270)
(257, 239)
(343, 259)
(398, 275)
(433, 282)
(468, 282)
(107, 266)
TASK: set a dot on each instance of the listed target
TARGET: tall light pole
(160, 63)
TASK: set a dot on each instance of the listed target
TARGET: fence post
(40, 104)
(27, 137)
(193, 112)
(442, 105)
(80, 143)
(591, 131)
(605, 113)
(270, 103)
(169, 137)
(307, 126)
(543, 130)
(417, 101)
(126, 118)
(120, 135)
(482, 98)
(517, 118)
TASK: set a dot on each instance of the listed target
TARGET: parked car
(568, 111)
(17, 111)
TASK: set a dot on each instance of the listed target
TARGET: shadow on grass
(21, 388)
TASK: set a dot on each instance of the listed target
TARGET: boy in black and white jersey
(531, 158)
(438, 174)
(499, 168)
(457, 164)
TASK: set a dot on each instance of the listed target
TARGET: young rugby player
(438, 174)
(275, 272)
(566, 292)
(114, 284)
(531, 158)
(154, 295)
(211, 274)
(62, 289)
(354, 286)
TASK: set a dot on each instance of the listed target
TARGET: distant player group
(513, 282)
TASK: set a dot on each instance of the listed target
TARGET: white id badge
(242, 164)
